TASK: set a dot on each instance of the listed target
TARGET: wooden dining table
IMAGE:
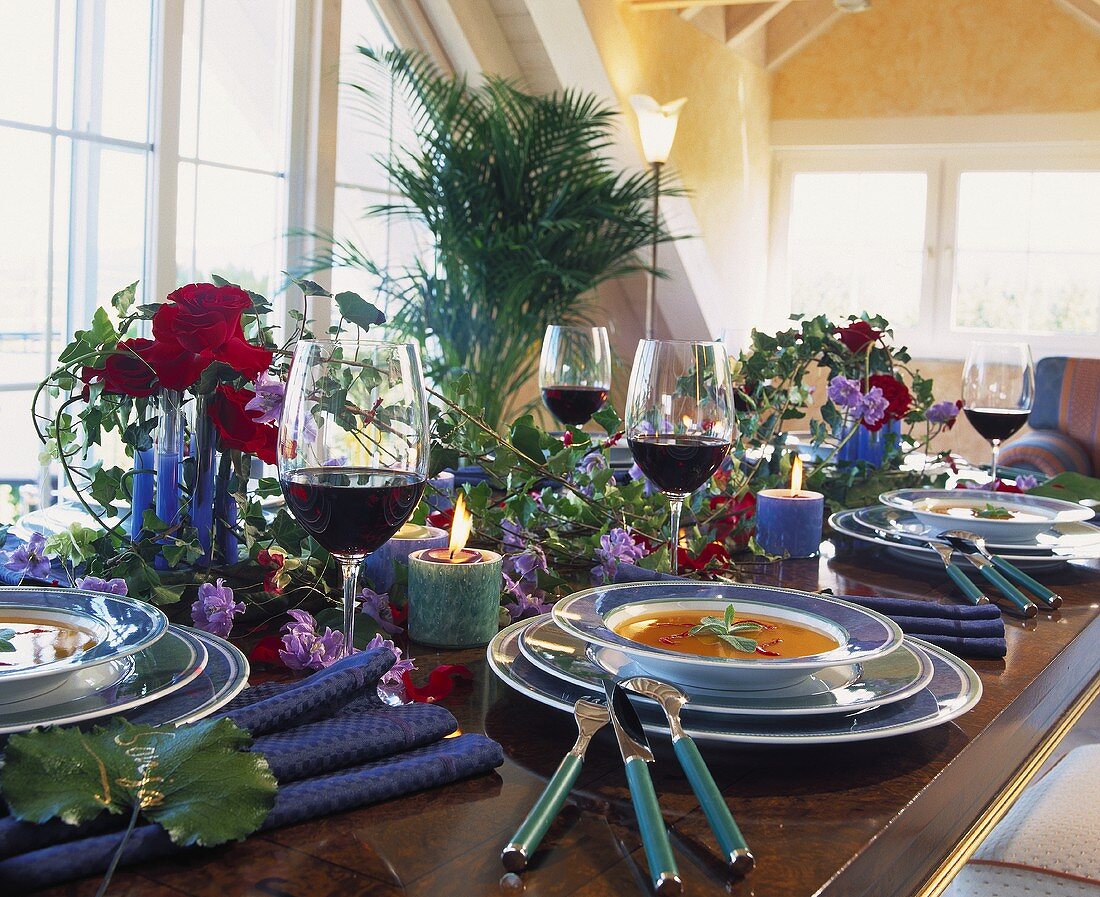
(888, 817)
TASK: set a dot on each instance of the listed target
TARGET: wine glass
(575, 372)
(998, 390)
(353, 448)
(679, 418)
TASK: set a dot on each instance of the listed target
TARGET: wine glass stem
(675, 505)
(349, 568)
(996, 451)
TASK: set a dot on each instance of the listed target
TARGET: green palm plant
(526, 217)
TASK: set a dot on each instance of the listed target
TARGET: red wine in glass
(574, 405)
(996, 423)
(351, 511)
(679, 464)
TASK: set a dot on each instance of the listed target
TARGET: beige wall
(722, 152)
(944, 57)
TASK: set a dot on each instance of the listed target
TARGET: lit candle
(788, 521)
(411, 537)
(454, 592)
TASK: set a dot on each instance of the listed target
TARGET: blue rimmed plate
(861, 634)
(114, 626)
(953, 690)
(841, 689)
(115, 687)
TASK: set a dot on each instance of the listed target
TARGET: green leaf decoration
(747, 645)
(6, 636)
(357, 310)
(726, 628)
(197, 781)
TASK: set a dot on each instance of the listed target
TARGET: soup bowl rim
(867, 634)
(1055, 510)
(122, 625)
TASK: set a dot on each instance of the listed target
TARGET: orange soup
(775, 639)
(36, 642)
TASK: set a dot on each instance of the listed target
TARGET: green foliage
(199, 782)
(525, 214)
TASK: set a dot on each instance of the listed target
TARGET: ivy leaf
(357, 310)
(196, 781)
(124, 299)
(309, 287)
(608, 418)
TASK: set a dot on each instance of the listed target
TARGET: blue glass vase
(867, 446)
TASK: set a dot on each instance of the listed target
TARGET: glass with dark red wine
(680, 422)
(353, 448)
(575, 372)
(998, 391)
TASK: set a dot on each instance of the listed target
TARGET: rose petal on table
(441, 682)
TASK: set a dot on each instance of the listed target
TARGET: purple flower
(592, 462)
(114, 586)
(392, 676)
(616, 547)
(873, 407)
(636, 474)
(1025, 482)
(942, 412)
(528, 606)
(844, 392)
(215, 608)
(304, 648)
(376, 605)
(513, 534)
(270, 392)
(29, 559)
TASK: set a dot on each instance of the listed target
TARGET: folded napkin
(331, 743)
(966, 630)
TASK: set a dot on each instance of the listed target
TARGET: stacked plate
(866, 680)
(72, 656)
(1032, 532)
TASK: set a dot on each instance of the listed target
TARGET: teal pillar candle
(789, 523)
(454, 602)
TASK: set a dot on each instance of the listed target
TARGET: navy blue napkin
(331, 742)
(966, 630)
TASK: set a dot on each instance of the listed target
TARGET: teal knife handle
(966, 585)
(658, 850)
(1020, 578)
(1010, 591)
(729, 836)
(530, 833)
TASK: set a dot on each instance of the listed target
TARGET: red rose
(713, 556)
(199, 324)
(127, 371)
(236, 425)
(897, 395)
(857, 336)
(734, 512)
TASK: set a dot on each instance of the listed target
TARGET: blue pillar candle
(788, 521)
(411, 537)
(454, 597)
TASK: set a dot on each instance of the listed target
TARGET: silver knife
(634, 746)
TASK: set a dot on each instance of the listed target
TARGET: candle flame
(796, 475)
(461, 526)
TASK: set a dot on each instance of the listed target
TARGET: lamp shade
(656, 125)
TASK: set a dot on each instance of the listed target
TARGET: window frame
(933, 337)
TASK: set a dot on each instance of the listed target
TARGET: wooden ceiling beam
(742, 22)
(794, 27)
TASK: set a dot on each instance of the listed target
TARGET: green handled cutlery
(1048, 596)
(963, 542)
(966, 585)
(591, 717)
(634, 746)
(730, 839)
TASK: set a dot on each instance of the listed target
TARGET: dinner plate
(953, 690)
(845, 524)
(114, 687)
(1063, 538)
(225, 676)
(120, 625)
(858, 634)
(841, 689)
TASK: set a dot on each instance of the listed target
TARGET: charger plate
(110, 689)
(952, 691)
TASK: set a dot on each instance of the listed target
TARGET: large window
(159, 141)
(951, 245)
